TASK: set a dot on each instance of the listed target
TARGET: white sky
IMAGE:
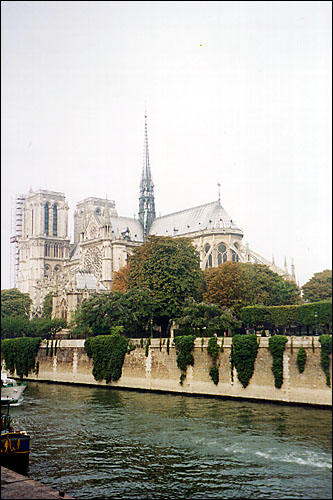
(237, 93)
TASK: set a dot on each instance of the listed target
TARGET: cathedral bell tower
(146, 199)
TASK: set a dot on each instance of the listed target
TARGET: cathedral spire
(146, 199)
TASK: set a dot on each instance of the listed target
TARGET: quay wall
(159, 372)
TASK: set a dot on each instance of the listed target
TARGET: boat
(15, 445)
(11, 390)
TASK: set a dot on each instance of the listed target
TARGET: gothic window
(57, 268)
(46, 270)
(209, 262)
(45, 250)
(221, 253)
(55, 220)
(55, 250)
(234, 256)
(46, 219)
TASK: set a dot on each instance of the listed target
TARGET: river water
(103, 443)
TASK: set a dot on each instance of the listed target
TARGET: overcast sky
(236, 92)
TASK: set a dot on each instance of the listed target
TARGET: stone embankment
(159, 372)
(16, 486)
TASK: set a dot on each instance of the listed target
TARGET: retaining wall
(159, 372)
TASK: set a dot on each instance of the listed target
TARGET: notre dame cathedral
(48, 262)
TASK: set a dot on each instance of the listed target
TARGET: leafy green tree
(47, 306)
(236, 285)
(15, 303)
(131, 310)
(206, 319)
(319, 287)
(170, 269)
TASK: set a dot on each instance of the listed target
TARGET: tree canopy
(236, 285)
(102, 312)
(319, 287)
(170, 269)
(206, 319)
(15, 303)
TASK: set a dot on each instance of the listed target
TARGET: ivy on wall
(276, 345)
(20, 355)
(213, 351)
(108, 354)
(326, 350)
(184, 346)
(147, 347)
(244, 354)
(301, 359)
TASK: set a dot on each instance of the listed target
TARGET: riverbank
(16, 486)
(154, 368)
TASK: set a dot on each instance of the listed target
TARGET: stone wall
(159, 372)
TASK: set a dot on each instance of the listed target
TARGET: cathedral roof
(121, 224)
(209, 216)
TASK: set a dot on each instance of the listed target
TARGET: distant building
(46, 261)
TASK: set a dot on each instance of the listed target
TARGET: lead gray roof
(209, 216)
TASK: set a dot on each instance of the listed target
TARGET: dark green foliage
(232, 364)
(20, 354)
(130, 347)
(131, 310)
(214, 374)
(108, 353)
(47, 348)
(276, 347)
(170, 269)
(245, 349)
(184, 346)
(326, 350)
(168, 345)
(206, 319)
(213, 348)
(213, 351)
(147, 347)
(15, 303)
(319, 287)
(47, 306)
(51, 350)
(284, 316)
(301, 359)
(12, 327)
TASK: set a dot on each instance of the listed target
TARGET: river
(117, 444)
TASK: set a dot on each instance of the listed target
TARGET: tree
(100, 313)
(170, 269)
(47, 306)
(236, 285)
(206, 319)
(15, 303)
(319, 287)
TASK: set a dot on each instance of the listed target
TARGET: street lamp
(316, 316)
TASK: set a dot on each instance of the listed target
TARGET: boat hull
(15, 448)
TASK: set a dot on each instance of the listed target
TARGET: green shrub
(326, 350)
(147, 347)
(184, 345)
(276, 345)
(214, 374)
(20, 354)
(245, 349)
(108, 354)
(301, 359)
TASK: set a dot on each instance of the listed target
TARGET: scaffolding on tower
(16, 231)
